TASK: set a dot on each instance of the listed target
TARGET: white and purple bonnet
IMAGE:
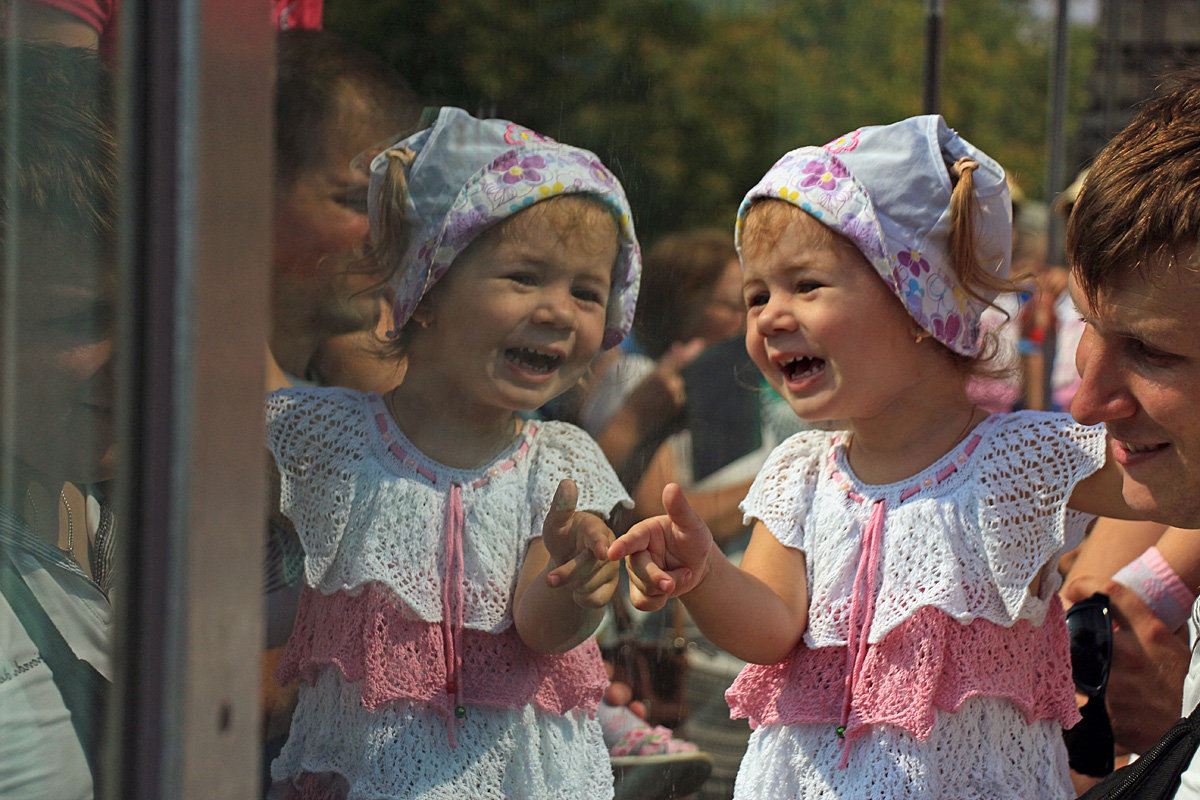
(469, 174)
(887, 189)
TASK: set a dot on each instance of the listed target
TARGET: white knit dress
(929, 670)
(410, 569)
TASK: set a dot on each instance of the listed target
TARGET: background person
(333, 101)
(57, 231)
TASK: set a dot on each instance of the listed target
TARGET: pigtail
(389, 239)
(384, 250)
(973, 277)
(382, 253)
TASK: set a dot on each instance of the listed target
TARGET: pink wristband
(1152, 579)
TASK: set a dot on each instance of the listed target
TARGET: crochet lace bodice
(414, 681)
(368, 506)
(935, 663)
(967, 535)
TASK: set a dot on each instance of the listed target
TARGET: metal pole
(1056, 133)
(933, 56)
(1055, 167)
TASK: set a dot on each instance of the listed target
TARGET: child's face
(822, 326)
(521, 313)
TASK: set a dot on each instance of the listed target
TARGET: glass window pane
(57, 440)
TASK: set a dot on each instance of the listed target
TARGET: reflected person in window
(456, 554)
(333, 101)
(56, 301)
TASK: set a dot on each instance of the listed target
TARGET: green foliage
(690, 102)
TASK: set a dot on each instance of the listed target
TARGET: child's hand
(666, 556)
(578, 545)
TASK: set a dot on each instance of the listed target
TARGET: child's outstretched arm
(567, 579)
(757, 612)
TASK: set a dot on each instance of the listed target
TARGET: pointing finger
(562, 508)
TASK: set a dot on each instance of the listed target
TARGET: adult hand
(661, 395)
(1145, 683)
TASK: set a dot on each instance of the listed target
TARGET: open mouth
(801, 367)
(533, 360)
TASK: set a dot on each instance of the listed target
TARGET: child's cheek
(757, 348)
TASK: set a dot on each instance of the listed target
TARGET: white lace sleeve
(783, 489)
(1028, 475)
(565, 451)
(309, 433)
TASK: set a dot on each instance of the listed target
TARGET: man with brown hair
(1132, 243)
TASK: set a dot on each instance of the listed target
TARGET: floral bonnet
(887, 189)
(468, 174)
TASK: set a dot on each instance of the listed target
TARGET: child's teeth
(534, 360)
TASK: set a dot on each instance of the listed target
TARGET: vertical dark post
(1055, 168)
(195, 250)
(933, 56)
(1056, 132)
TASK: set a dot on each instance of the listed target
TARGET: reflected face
(824, 329)
(63, 396)
(725, 313)
(520, 314)
(1139, 362)
(320, 218)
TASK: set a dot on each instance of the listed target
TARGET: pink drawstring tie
(452, 603)
(862, 603)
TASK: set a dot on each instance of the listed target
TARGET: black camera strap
(1156, 774)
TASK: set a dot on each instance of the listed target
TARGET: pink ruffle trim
(397, 658)
(928, 663)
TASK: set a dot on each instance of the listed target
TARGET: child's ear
(423, 315)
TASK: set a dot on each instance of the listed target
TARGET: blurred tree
(690, 102)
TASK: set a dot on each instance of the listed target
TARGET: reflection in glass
(58, 158)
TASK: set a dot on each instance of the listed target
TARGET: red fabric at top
(304, 14)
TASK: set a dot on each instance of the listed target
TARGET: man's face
(1139, 359)
(320, 218)
(61, 395)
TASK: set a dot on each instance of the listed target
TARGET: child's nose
(775, 317)
(555, 307)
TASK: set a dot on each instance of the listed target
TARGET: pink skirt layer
(928, 663)
(397, 658)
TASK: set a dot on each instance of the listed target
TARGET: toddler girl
(453, 573)
(897, 600)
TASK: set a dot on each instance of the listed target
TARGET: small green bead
(841, 731)
(460, 712)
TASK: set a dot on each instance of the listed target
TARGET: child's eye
(804, 287)
(522, 278)
(590, 296)
(757, 299)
